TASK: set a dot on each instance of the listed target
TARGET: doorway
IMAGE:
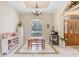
(36, 40)
(71, 30)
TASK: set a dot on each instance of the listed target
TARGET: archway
(36, 39)
(36, 28)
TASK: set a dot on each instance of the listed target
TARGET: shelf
(13, 43)
(10, 43)
(13, 46)
(15, 37)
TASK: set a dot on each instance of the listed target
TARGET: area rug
(48, 50)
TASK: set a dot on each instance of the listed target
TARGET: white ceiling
(21, 7)
(41, 4)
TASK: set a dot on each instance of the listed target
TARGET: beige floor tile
(63, 51)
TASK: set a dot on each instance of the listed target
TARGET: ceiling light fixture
(37, 11)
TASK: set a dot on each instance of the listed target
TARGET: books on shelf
(9, 42)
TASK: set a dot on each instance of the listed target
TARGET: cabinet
(54, 38)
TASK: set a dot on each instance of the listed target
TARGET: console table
(36, 42)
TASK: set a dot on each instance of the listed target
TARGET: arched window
(36, 29)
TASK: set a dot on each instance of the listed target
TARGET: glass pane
(36, 29)
(36, 33)
(74, 17)
(36, 26)
(76, 26)
(71, 27)
(66, 25)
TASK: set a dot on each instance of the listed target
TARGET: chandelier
(36, 11)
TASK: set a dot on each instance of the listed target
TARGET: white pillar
(21, 35)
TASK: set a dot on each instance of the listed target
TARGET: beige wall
(58, 21)
(8, 18)
(45, 18)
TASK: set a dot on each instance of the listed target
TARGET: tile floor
(62, 51)
(48, 50)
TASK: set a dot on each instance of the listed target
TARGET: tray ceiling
(41, 4)
(45, 6)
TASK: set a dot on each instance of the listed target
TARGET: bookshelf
(9, 43)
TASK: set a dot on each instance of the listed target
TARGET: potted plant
(62, 42)
(20, 24)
